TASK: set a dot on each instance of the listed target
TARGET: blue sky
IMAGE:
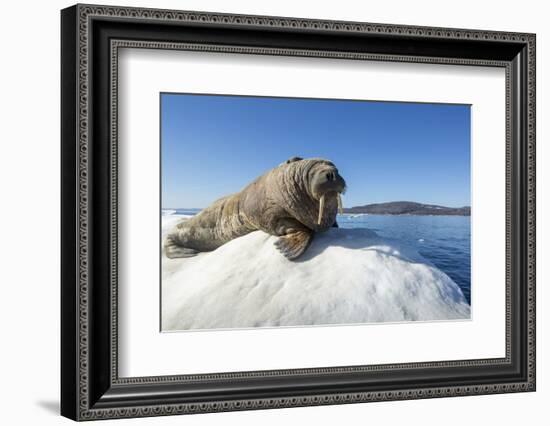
(387, 151)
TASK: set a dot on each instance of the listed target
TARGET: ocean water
(444, 240)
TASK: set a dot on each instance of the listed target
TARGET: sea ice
(346, 276)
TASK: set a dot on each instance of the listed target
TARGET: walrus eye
(330, 176)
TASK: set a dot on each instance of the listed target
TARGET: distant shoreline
(408, 208)
(405, 214)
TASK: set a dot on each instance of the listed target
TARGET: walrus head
(325, 183)
(321, 181)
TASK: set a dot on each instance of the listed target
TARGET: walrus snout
(327, 180)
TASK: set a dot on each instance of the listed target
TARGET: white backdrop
(146, 352)
(29, 225)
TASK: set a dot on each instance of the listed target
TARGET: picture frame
(91, 37)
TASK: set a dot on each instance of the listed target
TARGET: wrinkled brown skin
(280, 203)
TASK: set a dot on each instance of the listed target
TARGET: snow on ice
(346, 276)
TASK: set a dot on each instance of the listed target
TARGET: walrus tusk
(321, 208)
(340, 207)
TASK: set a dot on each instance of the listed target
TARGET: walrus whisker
(321, 208)
(340, 207)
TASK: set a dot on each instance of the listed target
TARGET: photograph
(299, 212)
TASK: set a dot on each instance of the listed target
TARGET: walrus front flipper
(294, 244)
(175, 251)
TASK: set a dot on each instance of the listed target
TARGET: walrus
(292, 201)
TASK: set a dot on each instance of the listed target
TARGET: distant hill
(409, 208)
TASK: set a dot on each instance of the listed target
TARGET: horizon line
(358, 205)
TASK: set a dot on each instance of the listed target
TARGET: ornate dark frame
(90, 38)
